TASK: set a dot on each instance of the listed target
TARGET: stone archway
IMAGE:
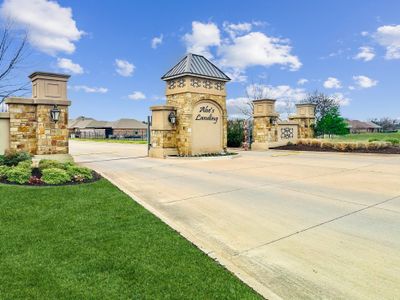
(207, 127)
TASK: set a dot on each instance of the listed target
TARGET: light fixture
(55, 114)
(172, 118)
(273, 120)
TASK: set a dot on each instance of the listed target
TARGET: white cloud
(302, 81)
(203, 36)
(341, 99)
(364, 33)
(389, 36)
(256, 48)
(124, 67)
(136, 95)
(69, 66)
(156, 41)
(235, 29)
(365, 54)
(88, 89)
(51, 28)
(332, 83)
(364, 81)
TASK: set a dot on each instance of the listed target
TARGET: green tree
(323, 103)
(331, 123)
(235, 133)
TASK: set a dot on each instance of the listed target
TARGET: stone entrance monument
(194, 119)
(269, 132)
(38, 125)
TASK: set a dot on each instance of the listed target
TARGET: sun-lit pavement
(292, 225)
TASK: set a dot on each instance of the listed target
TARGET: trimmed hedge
(55, 176)
(18, 175)
(78, 173)
(3, 171)
(343, 146)
(50, 164)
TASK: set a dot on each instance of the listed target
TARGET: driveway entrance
(291, 225)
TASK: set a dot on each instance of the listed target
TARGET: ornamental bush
(18, 175)
(55, 176)
(393, 141)
(50, 164)
(3, 171)
(77, 172)
(26, 164)
(12, 157)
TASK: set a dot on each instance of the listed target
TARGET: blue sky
(116, 51)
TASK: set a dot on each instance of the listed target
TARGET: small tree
(387, 124)
(331, 123)
(235, 133)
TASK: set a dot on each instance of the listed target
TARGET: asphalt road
(292, 225)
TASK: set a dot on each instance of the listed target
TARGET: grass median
(92, 241)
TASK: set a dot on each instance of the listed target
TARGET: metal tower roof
(196, 65)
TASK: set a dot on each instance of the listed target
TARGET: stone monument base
(259, 146)
(162, 152)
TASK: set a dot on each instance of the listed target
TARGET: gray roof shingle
(197, 65)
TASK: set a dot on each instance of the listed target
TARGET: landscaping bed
(18, 168)
(354, 147)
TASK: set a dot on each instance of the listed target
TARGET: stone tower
(195, 89)
(305, 117)
(264, 126)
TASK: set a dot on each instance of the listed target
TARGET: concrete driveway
(291, 225)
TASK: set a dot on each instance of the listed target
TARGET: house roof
(196, 65)
(356, 124)
(128, 123)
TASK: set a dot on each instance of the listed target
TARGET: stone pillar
(305, 117)
(31, 126)
(264, 124)
(163, 132)
(4, 132)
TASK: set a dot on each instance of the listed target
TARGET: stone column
(264, 124)
(163, 132)
(31, 126)
(305, 117)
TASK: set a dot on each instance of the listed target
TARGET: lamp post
(55, 114)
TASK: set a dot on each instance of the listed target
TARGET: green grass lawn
(94, 242)
(367, 136)
(110, 141)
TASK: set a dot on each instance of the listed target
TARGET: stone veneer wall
(184, 103)
(52, 138)
(166, 138)
(263, 131)
(32, 130)
(23, 127)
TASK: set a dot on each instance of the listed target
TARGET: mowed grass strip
(367, 136)
(93, 242)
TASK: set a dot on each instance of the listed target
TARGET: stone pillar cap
(306, 104)
(266, 100)
(162, 107)
(48, 74)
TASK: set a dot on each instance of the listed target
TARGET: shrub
(2, 160)
(26, 164)
(393, 141)
(50, 164)
(3, 171)
(373, 140)
(55, 176)
(77, 173)
(12, 157)
(18, 175)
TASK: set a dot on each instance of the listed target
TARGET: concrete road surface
(292, 225)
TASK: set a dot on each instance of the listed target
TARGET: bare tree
(12, 54)
(253, 92)
(324, 103)
(387, 124)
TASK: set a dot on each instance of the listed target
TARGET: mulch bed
(389, 150)
(36, 172)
